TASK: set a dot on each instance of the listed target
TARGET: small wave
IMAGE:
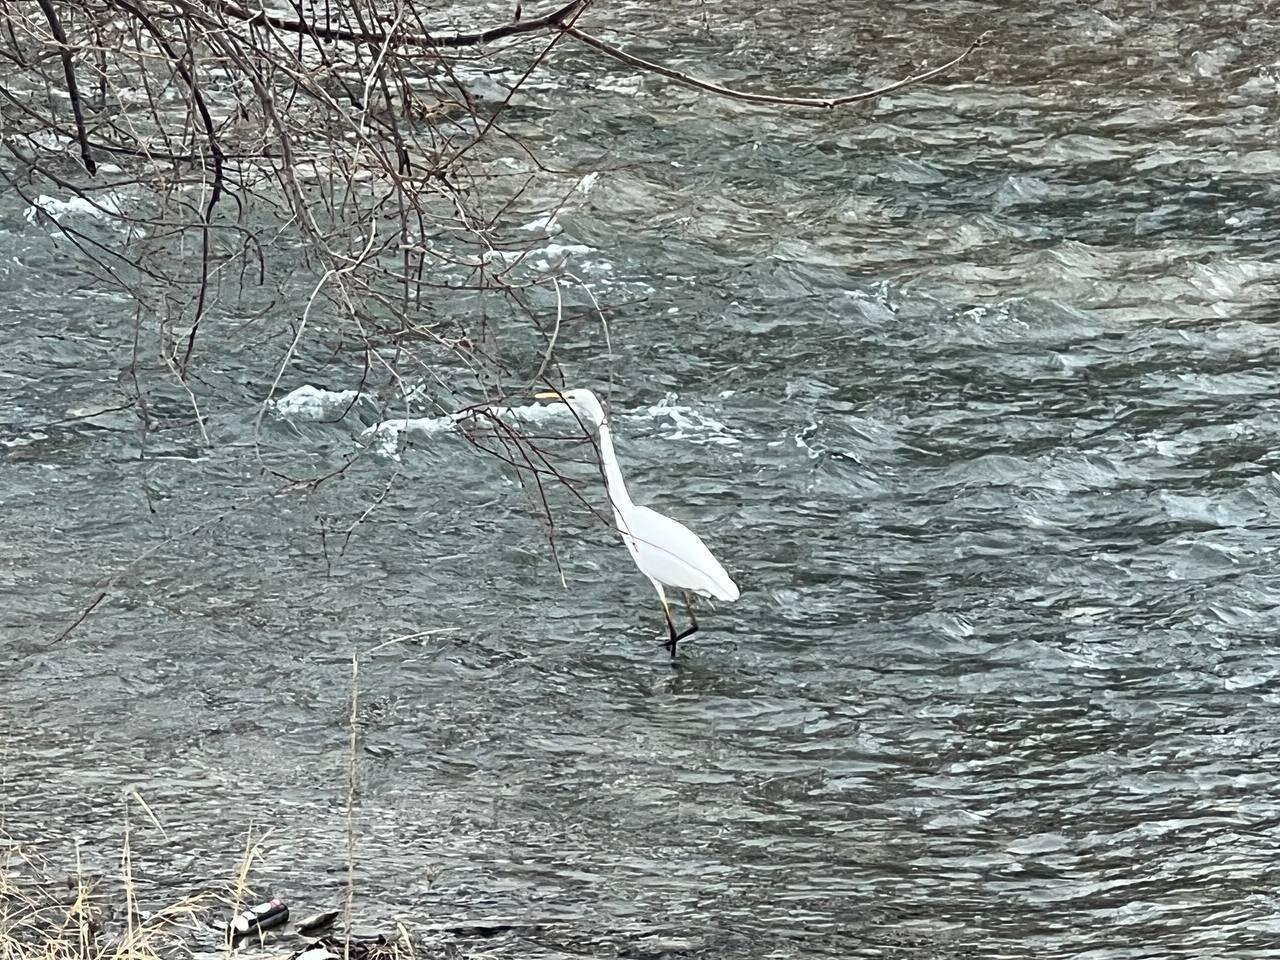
(804, 435)
(627, 86)
(308, 402)
(552, 257)
(102, 209)
(690, 424)
(384, 437)
(26, 440)
(101, 212)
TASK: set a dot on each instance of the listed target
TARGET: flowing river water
(974, 392)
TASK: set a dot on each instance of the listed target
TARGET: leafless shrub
(220, 163)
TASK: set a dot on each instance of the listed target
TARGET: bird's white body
(672, 555)
(667, 552)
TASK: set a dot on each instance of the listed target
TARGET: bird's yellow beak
(549, 395)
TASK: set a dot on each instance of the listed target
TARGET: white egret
(667, 552)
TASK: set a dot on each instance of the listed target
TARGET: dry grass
(45, 917)
(50, 913)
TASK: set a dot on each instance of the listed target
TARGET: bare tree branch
(215, 152)
(429, 39)
(368, 167)
(820, 102)
(73, 90)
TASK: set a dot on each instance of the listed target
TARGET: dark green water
(975, 394)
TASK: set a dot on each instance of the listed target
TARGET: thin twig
(102, 595)
(351, 801)
(825, 103)
(215, 152)
(555, 335)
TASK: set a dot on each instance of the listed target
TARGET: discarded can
(258, 919)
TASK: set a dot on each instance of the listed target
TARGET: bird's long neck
(618, 495)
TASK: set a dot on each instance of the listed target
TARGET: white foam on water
(554, 256)
(102, 209)
(309, 402)
(25, 440)
(689, 423)
(534, 413)
(383, 438)
(804, 435)
(547, 225)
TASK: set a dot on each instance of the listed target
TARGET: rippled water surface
(975, 392)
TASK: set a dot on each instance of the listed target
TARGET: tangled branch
(330, 196)
(563, 19)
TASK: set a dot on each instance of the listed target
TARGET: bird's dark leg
(693, 621)
(671, 631)
(688, 632)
